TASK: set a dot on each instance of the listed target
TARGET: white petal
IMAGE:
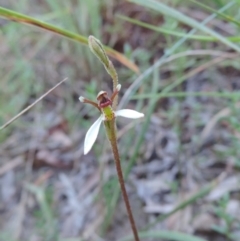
(91, 135)
(129, 113)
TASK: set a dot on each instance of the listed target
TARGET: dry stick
(30, 106)
(111, 133)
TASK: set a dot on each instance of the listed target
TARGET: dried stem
(30, 106)
(111, 133)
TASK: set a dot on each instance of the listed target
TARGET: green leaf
(229, 95)
(166, 10)
(174, 33)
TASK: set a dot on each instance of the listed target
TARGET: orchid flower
(107, 107)
(104, 105)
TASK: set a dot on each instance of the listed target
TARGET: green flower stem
(111, 131)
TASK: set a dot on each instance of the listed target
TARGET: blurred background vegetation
(181, 161)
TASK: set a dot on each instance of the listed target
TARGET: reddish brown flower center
(103, 99)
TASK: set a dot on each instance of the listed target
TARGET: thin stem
(111, 133)
(30, 106)
(112, 72)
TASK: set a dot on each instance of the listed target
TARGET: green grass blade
(142, 78)
(163, 30)
(169, 235)
(200, 194)
(225, 16)
(21, 18)
(229, 95)
(166, 10)
(174, 33)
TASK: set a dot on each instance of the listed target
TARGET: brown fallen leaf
(18, 161)
(48, 158)
(225, 186)
(204, 222)
(60, 140)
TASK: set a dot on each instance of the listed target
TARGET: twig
(30, 106)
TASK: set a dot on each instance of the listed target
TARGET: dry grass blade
(30, 106)
(212, 123)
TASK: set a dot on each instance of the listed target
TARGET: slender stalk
(30, 106)
(108, 106)
(110, 127)
(111, 70)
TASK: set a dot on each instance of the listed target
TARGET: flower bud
(82, 99)
(97, 48)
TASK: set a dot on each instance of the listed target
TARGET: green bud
(97, 48)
